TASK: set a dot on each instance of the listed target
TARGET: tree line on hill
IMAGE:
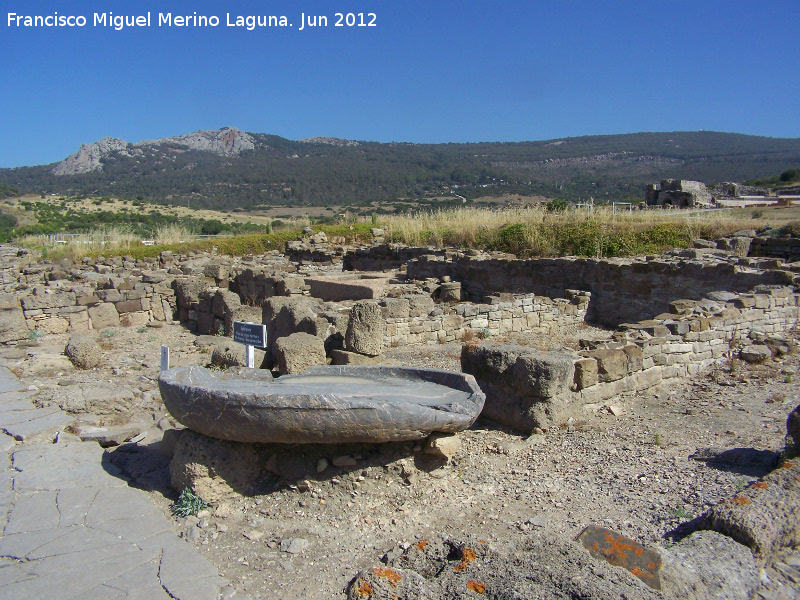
(285, 172)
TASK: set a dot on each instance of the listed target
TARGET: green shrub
(188, 503)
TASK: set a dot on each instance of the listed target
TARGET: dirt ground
(629, 469)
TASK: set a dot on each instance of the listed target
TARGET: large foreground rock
(764, 517)
(326, 404)
(544, 567)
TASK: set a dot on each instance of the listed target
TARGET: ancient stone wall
(526, 388)
(406, 324)
(784, 248)
(622, 290)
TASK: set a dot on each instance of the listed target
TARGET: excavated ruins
(640, 401)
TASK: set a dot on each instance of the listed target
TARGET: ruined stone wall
(526, 388)
(621, 290)
(406, 324)
(784, 248)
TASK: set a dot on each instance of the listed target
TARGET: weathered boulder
(188, 290)
(228, 354)
(708, 565)
(365, 329)
(442, 445)
(765, 516)
(214, 469)
(757, 353)
(12, 319)
(83, 351)
(298, 351)
(104, 315)
(544, 567)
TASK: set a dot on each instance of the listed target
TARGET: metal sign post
(252, 336)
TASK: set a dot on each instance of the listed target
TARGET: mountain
(229, 168)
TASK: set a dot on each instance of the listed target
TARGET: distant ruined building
(677, 193)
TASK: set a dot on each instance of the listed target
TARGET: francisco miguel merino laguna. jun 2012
(250, 22)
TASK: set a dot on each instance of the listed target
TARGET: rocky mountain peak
(227, 141)
(87, 158)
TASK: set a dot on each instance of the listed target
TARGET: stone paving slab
(71, 528)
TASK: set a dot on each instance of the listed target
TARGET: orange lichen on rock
(787, 464)
(393, 576)
(364, 589)
(760, 485)
(467, 556)
(741, 500)
(476, 586)
(421, 545)
(638, 551)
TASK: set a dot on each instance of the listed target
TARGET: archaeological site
(421, 423)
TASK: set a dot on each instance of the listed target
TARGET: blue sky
(432, 71)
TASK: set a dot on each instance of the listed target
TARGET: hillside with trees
(325, 172)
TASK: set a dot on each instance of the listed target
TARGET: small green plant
(108, 333)
(738, 484)
(151, 338)
(679, 512)
(657, 439)
(757, 213)
(788, 378)
(141, 330)
(188, 503)
(35, 334)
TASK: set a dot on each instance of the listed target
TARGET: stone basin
(330, 404)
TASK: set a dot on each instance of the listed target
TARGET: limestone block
(298, 351)
(343, 357)
(395, 308)
(12, 319)
(52, 325)
(127, 306)
(756, 353)
(134, 319)
(634, 356)
(611, 364)
(585, 373)
(544, 374)
(104, 315)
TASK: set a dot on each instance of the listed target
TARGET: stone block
(127, 306)
(343, 357)
(544, 374)
(634, 357)
(104, 315)
(611, 364)
(585, 373)
(12, 320)
(299, 351)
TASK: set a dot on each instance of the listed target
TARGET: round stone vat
(330, 404)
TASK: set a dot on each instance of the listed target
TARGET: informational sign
(250, 334)
(164, 358)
